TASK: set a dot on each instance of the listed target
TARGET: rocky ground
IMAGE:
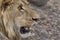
(48, 27)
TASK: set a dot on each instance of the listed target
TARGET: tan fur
(12, 15)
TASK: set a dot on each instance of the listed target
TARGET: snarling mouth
(24, 30)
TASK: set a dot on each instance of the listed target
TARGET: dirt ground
(48, 26)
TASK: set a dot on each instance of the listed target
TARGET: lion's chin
(26, 35)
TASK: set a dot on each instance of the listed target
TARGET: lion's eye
(20, 7)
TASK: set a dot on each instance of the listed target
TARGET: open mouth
(26, 32)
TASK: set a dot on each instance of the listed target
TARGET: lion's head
(18, 18)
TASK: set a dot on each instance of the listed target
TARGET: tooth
(26, 28)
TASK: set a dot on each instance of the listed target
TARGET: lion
(16, 19)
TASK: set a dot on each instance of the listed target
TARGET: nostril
(35, 19)
(23, 30)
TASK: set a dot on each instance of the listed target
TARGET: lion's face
(25, 22)
(18, 20)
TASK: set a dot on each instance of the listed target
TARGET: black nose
(35, 19)
(23, 30)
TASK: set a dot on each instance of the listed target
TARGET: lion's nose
(24, 30)
(35, 19)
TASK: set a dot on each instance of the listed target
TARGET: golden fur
(13, 15)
